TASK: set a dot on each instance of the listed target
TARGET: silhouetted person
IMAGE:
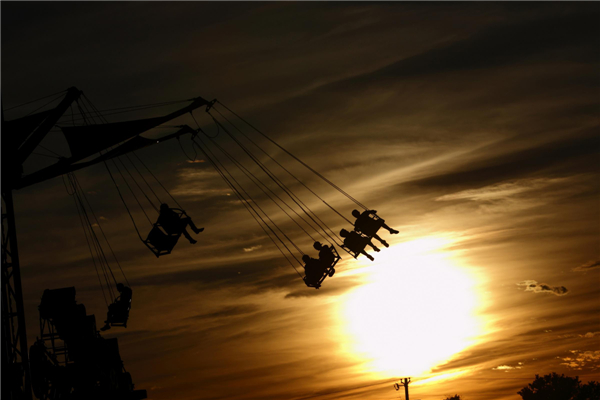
(369, 226)
(118, 311)
(312, 269)
(326, 256)
(357, 243)
(171, 222)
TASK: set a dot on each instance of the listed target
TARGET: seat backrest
(160, 240)
(355, 242)
(369, 226)
(171, 221)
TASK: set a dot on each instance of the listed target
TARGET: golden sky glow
(415, 310)
(471, 127)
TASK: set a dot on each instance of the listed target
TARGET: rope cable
(248, 207)
(292, 175)
(253, 178)
(273, 177)
(123, 200)
(88, 231)
(184, 152)
(100, 251)
(296, 158)
(100, 227)
(122, 110)
(259, 207)
(137, 184)
(87, 240)
(36, 100)
(131, 190)
(143, 178)
(44, 105)
(156, 179)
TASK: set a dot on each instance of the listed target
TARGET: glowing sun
(416, 310)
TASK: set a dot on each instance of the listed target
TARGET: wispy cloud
(533, 286)
(587, 266)
(501, 190)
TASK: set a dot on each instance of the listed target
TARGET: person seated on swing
(369, 226)
(326, 256)
(357, 243)
(171, 222)
(118, 311)
(312, 269)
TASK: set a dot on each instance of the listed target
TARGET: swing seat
(329, 270)
(165, 233)
(120, 317)
(371, 226)
(356, 246)
(160, 242)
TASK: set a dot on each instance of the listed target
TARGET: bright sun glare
(415, 310)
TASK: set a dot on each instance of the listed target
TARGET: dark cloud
(533, 286)
(573, 154)
(502, 45)
(226, 312)
(587, 266)
(328, 288)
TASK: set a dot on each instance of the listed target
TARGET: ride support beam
(16, 379)
(36, 137)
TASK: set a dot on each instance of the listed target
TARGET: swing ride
(275, 197)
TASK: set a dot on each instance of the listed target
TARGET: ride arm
(67, 165)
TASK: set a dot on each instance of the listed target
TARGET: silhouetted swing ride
(171, 223)
(91, 140)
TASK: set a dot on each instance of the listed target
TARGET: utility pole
(404, 382)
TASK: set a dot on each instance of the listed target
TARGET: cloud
(507, 367)
(495, 46)
(518, 163)
(582, 358)
(533, 286)
(226, 312)
(500, 190)
(252, 248)
(587, 266)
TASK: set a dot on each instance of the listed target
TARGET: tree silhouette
(589, 391)
(455, 397)
(560, 387)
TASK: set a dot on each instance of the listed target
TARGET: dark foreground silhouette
(555, 387)
(560, 387)
(71, 360)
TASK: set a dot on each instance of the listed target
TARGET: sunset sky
(472, 128)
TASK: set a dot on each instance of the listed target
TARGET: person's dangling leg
(188, 237)
(370, 257)
(188, 221)
(383, 242)
(392, 231)
(373, 246)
